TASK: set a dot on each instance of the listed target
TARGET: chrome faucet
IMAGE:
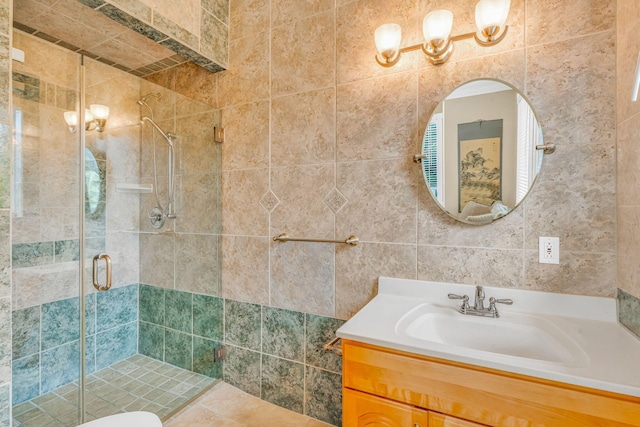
(478, 308)
(478, 304)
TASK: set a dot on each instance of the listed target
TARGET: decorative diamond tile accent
(269, 201)
(335, 200)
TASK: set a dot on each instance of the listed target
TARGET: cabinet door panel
(439, 420)
(364, 410)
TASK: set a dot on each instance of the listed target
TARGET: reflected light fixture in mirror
(95, 118)
(491, 16)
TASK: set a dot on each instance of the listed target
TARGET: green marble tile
(243, 324)
(26, 332)
(283, 383)
(178, 309)
(242, 369)
(178, 349)
(203, 351)
(629, 311)
(208, 316)
(60, 322)
(32, 254)
(151, 340)
(152, 304)
(319, 331)
(283, 333)
(67, 250)
(323, 395)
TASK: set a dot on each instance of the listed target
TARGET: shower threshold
(138, 383)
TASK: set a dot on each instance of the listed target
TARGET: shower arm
(168, 136)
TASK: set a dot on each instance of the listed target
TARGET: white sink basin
(512, 334)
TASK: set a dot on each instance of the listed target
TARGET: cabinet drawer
(364, 410)
(482, 395)
(439, 420)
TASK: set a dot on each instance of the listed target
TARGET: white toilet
(128, 419)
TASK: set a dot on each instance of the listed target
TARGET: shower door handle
(107, 260)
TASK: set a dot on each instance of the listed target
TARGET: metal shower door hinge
(219, 353)
(218, 134)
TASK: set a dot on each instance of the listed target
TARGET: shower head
(144, 99)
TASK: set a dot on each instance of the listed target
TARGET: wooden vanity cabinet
(388, 388)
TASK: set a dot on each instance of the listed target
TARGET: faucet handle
(454, 296)
(501, 301)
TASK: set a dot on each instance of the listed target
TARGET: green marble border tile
(629, 311)
(283, 383)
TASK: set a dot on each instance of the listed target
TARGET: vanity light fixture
(491, 16)
(95, 118)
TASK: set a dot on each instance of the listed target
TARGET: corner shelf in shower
(134, 188)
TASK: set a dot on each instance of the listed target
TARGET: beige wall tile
(123, 153)
(241, 194)
(355, 44)
(124, 250)
(248, 69)
(476, 266)
(303, 128)
(377, 118)
(197, 268)
(581, 273)
(574, 199)
(197, 83)
(381, 201)
(628, 267)
(38, 285)
(284, 12)
(246, 129)
(302, 277)
(628, 163)
(550, 21)
(157, 259)
(358, 269)
(298, 65)
(627, 49)
(248, 17)
(574, 78)
(197, 203)
(302, 211)
(198, 153)
(185, 16)
(245, 269)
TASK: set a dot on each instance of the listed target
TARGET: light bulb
(388, 38)
(99, 111)
(71, 117)
(436, 26)
(491, 14)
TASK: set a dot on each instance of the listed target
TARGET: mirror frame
(546, 148)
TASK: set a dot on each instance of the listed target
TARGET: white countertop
(609, 354)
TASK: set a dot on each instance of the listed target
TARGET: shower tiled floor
(227, 406)
(134, 384)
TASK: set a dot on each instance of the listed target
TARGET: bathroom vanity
(410, 358)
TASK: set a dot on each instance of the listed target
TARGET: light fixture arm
(440, 56)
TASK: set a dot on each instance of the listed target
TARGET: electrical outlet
(549, 250)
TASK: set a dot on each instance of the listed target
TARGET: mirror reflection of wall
(479, 151)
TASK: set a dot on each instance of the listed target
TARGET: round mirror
(482, 151)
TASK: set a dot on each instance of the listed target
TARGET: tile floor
(136, 383)
(227, 406)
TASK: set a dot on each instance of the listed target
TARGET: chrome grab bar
(107, 260)
(331, 346)
(284, 237)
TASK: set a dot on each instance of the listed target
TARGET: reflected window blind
(432, 149)
(528, 138)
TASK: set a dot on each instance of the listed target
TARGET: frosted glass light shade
(437, 26)
(71, 117)
(99, 111)
(88, 116)
(491, 13)
(388, 38)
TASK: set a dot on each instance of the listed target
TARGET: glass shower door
(46, 236)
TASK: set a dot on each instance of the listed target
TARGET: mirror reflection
(479, 152)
